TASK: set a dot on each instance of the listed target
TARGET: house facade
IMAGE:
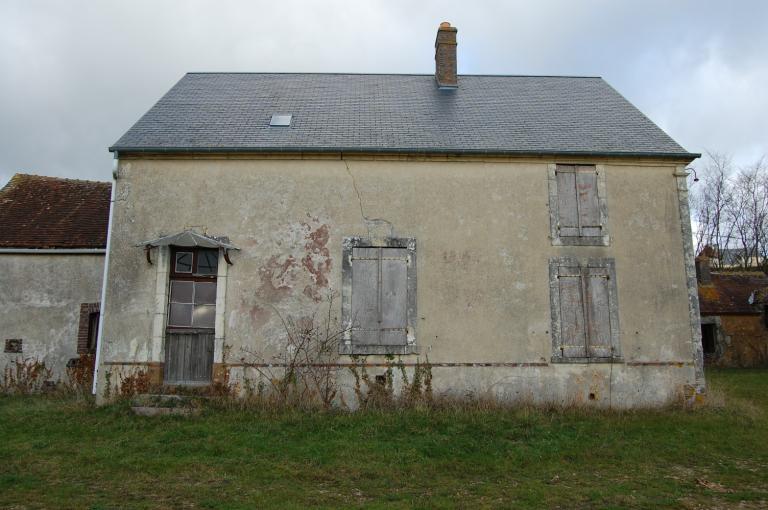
(52, 249)
(496, 226)
(734, 315)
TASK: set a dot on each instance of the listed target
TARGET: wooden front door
(188, 357)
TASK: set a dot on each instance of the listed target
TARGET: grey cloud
(75, 75)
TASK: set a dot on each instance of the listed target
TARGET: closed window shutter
(568, 212)
(394, 294)
(572, 327)
(379, 296)
(588, 206)
(577, 201)
(365, 296)
(598, 312)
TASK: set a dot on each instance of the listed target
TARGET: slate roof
(729, 293)
(397, 113)
(49, 212)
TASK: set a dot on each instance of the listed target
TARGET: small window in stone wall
(13, 345)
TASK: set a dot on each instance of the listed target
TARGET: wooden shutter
(572, 325)
(394, 295)
(588, 205)
(567, 207)
(365, 296)
(577, 201)
(379, 296)
(188, 358)
(598, 312)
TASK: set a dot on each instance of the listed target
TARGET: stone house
(734, 316)
(497, 226)
(52, 248)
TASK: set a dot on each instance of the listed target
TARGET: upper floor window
(577, 204)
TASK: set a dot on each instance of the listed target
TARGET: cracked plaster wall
(483, 256)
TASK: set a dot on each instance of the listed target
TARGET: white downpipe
(102, 307)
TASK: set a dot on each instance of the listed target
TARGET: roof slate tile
(397, 113)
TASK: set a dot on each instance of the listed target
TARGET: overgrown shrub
(379, 393)
(25, 376)
(303, 373)
(80, 374)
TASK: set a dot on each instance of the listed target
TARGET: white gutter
(54, 251)
(102, 303)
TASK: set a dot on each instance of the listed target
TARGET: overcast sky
(75, 75)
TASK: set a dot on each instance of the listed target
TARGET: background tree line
(729, 209)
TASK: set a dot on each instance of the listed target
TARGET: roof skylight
(280, 121)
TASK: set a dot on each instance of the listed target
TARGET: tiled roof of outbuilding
(730, 292)
(390, 113)
(49, 212)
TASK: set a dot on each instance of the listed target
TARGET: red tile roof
(729, 293)
(50, 212)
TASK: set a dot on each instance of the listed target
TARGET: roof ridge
(56, 178)
(398, 74)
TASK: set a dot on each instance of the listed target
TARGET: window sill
(188, 331)
(586, 361)
(355, 350)
(581, 241)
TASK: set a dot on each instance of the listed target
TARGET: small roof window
(280, 121)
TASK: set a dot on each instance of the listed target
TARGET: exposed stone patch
(277, 278)
(317, 261)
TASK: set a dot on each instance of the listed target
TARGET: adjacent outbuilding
(734, 315)
(52, 247)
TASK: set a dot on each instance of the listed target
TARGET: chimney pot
(445, 57)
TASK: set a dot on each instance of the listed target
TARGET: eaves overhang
(677, 156)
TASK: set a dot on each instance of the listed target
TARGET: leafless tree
(711, 201)
(730, 211)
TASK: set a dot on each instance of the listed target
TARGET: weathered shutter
(365, 296)
(379, 296)
(588, 205)
(567, 207)
(572, 327)
(394, 295)
(598, 312)
(188, 358)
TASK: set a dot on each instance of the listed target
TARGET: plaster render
(483, 231)
(40, 297)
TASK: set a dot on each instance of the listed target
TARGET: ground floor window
(88, 329)
(379, 296)
(584, 309)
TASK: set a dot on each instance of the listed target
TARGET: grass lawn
(63, 454)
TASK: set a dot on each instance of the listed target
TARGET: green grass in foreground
(65, 454)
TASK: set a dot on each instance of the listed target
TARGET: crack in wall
(370, 223)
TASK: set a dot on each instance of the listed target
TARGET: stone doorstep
(165, 404)
(164, 411)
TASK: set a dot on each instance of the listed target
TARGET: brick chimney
(703, 272)
(445, 57)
